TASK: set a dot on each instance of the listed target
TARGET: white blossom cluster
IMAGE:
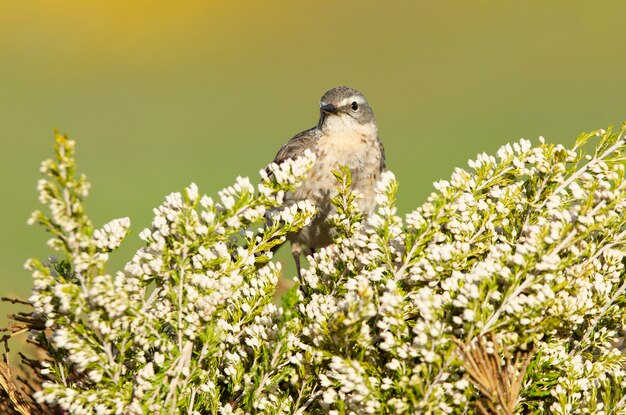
(189, 324)
(527, 246)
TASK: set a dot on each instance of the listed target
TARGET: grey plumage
(346, 134)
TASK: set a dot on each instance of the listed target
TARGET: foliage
(521, 255)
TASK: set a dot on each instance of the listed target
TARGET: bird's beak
(329, 109)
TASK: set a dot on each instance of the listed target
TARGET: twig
(499, 383)
(14, 300)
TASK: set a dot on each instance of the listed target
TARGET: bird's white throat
(344, 124)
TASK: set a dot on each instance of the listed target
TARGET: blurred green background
(160, 94)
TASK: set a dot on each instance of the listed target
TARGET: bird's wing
(297, 145)
(383, 163)
(292, 149)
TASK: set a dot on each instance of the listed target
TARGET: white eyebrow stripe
(349, 100)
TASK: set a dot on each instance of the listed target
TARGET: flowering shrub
(521, 255)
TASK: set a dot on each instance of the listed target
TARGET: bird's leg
(296, 251)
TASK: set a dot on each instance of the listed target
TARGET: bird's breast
(363, 155)
(360, 153)
(355, 150)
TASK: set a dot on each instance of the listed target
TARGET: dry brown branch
(16, 391)
(498, 381)
(14, 300)
(22, 323)
(13, 399)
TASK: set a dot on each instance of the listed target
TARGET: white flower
(192, 192)
(112, 234)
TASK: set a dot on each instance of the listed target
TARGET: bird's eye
(355, 106)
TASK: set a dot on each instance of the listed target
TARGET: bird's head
(344, 108)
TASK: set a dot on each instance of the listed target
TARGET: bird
(345, 135)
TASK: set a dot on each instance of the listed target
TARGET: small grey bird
(346, 135)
